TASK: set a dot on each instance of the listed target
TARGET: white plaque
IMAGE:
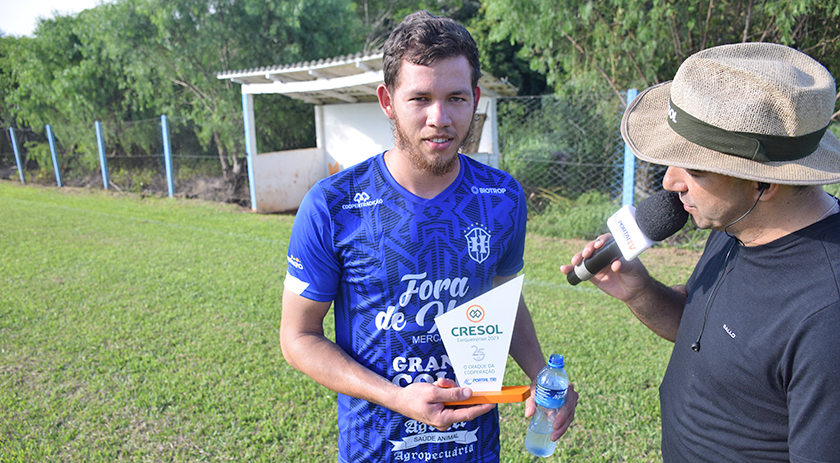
(477, 336)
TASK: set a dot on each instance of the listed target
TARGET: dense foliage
(131, 60)
(137, 59)
(618, 44)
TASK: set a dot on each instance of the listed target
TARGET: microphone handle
(602, 258)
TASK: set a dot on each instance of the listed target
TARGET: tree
(619, 44)
(7, 82)
(65, 77)
(379, 17)
(137, 59)
(503, 58)
(189, 41)
(498, 57)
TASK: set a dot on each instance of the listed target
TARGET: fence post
(250, 143)
(629, 163)
(54, 157)
(103, 162)
(17, 155)
(167, 155)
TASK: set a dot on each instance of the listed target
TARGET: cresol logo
(475, 313)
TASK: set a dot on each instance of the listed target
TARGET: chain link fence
(135, 162)
(565, 147)
(559, 148)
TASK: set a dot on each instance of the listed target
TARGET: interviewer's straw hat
(756, 111)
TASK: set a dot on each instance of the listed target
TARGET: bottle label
(550, 398)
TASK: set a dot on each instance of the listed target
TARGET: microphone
(634, 230)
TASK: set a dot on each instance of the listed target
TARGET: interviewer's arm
(658, 306)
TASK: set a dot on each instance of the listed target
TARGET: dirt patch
(216, 189)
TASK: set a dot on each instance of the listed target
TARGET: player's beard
(437, 165)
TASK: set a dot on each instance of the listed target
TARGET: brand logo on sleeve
(294, 262)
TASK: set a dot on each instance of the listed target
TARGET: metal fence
(562, 146)
(552, 145)
(134, 155)
(557, 147)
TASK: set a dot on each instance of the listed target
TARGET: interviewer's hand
(622, 280)
(424, 402)
(564, 416)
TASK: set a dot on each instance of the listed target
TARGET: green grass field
(146, 329)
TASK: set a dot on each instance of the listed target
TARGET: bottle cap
(556, 361)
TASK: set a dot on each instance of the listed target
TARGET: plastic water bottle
(552, 383)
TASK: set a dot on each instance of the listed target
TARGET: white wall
(355, 132)
(282, 178)
(347, 134)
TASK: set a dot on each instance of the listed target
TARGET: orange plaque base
(506, 395)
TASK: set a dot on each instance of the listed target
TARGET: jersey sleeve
(313, 270)
(811, 367)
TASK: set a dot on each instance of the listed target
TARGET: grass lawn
(146, 329)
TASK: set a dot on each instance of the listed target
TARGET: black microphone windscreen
(661, 215)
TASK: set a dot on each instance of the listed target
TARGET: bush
(586, 217)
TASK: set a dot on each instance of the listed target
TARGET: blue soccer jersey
(392, 262)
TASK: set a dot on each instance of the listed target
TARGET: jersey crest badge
(478, 243)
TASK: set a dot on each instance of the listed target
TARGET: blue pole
(54, 157)
(167, 155)
(629, 163)
(250, 143)
(102, 161)
(17, 155)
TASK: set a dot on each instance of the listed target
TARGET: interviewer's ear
(767, 191)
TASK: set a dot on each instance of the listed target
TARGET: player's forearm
(525, 347)
(325, 362)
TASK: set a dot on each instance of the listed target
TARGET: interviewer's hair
(424, 39)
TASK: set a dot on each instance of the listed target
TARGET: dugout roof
(339, 80)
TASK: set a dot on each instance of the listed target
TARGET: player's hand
(424, 402)
(564, 417)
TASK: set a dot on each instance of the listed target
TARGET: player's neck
(419, 182)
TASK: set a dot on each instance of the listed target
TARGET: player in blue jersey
(397, 240)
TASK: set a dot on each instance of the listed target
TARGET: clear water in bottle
(538, 440)
(552, 383)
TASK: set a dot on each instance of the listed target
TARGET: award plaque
(477, 337)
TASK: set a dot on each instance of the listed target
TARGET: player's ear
(385, 100)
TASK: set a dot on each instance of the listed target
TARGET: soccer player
(397, 240)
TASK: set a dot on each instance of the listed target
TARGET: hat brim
(645, 129)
